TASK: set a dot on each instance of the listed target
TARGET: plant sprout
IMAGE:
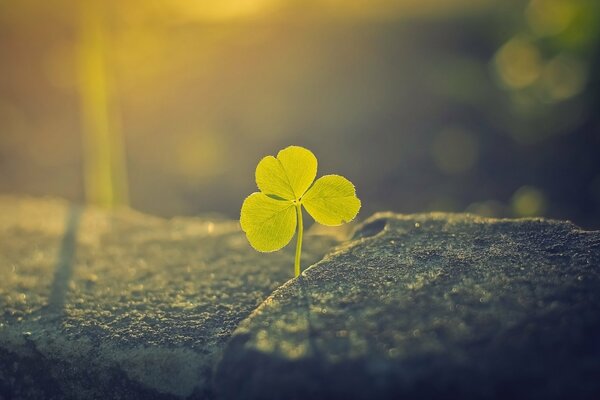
(286, 183)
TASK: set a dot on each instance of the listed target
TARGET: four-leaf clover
(287, 182)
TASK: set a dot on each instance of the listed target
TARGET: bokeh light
(564, 77)
(518, 63)
(528, 201)
(551, 17)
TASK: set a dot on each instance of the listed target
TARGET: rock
(430, 306)
(98, 304)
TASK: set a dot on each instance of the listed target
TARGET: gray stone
(431, 306)
(97, 304)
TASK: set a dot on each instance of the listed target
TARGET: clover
(287, 183)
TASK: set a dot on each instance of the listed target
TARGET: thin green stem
(299, 242)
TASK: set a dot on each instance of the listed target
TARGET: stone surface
(432, 306)
(123, 305)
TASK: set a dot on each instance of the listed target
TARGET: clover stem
(299, 242)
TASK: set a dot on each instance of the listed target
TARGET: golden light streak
(105, 176)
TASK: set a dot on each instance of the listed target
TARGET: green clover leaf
(287, 182)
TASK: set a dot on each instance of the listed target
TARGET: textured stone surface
(432, 306)
(123, 305)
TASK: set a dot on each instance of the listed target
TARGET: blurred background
(490, 107)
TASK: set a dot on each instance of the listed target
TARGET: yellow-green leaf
(269, 224)
(332, 200)
(271, 216)
(289, 175)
